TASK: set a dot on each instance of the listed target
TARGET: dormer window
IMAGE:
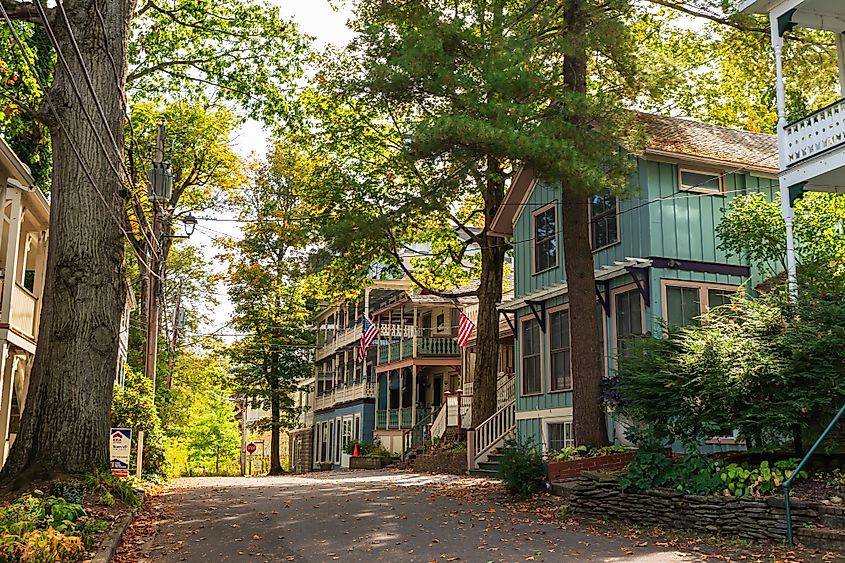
(545, 239)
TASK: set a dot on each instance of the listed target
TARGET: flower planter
(344, 460)
(561, 470)
(363, 462)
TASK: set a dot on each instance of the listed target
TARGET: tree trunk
(275, 464)
(489, 296)
(65, 424)
(589, 421)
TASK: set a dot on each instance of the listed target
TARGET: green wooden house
(656, 256)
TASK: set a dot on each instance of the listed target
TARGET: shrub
(764, 479)
(71, 491)
(522, 469)
(579, 452)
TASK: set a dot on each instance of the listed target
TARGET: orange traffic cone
(355, 450)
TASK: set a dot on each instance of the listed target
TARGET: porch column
(12, 245)
(840, 57)
(416, 330)
(376, 400)
(402, 331)
(9, 363)
(389, 378)
(414, 395)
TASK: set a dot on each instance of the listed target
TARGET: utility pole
(178, 324)
(160, 186)
(243, 436)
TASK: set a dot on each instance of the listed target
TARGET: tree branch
(408, 272)
(25, 11)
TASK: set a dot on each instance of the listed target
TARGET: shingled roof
(684, 137)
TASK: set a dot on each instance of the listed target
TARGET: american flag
(368, 334)
(465, 328)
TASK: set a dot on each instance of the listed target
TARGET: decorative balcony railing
(345, 394)
(24, 311)
(395, 419)
(426, 346)
(820, 131)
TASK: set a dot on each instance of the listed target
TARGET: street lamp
(190, 223)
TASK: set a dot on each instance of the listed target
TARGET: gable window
(559, 435)
(545, 239)
(683, 305)
(604, 227)
(530, 353)
(700, 181)
(561, 357)
(629, 317)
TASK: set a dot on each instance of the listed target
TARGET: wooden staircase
(488, 468)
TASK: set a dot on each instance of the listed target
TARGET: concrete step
(829, 539)
(489, 473)
(563, 489)
(832, 516)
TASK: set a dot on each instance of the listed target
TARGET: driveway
(371, 516)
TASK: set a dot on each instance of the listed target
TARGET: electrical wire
(64, 130)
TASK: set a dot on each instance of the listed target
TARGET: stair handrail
(418, 428)
(801, 464)
(489, 432)
(438, 427)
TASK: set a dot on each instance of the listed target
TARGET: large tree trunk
(65, 424)
(489, 296)
(588, 414)
(275, 464)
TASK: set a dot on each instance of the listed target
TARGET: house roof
(669, 137)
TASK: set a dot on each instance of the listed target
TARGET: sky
(327, 26)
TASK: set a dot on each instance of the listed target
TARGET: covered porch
(413, 394)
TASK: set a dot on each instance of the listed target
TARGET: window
(629, 319)
(561, 376)
(718, 297)
(683, 305)
(348, 436)
(699, 181)
(545, 240)
(530, 349)
(559, 435)
(604, 228)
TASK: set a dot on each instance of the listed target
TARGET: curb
(112, 540)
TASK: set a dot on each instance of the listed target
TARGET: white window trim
(697, 189)
(557, 420)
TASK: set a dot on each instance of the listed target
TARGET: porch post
(9, 364)
(840, 57)
(389, 378)
(414, 395)
(402, 331)
(416, 330)
(12, 246)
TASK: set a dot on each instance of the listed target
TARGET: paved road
(368, 516)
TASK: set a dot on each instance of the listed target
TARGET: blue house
(656, 257)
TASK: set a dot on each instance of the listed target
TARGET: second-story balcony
(427, 346)
(345, 394)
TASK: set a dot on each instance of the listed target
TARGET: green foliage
(133, 407)
(765, 367)
(103, 482)
(579, 452)
(106, 499)
(214, 439)
(45, 529)
(522, 469)
(71, 491)
(763, 479)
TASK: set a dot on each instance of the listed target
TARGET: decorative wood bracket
(603, 294)
(642, 283)
(511, 323)
(539, 313)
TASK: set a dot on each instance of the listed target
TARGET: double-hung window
(684, 303)
(559, 435)
(604, 227)
(530, 353)
(545, 239)
(629, 317)
(561, 357)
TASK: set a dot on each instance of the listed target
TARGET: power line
(62, 127)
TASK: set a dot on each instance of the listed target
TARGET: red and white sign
(120, 447)
(251, 448)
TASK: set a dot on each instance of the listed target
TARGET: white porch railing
(398, 331)
(816, 133)
(493, 431)
(505, 390)
(456, 412)
(24, 309)
(345, 394)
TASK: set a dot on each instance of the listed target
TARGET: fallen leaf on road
(257, 537)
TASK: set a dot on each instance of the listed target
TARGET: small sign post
(251, 447)
(120, 448)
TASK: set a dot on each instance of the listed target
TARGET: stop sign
(250, 448)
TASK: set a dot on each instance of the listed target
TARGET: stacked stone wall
(450, 463)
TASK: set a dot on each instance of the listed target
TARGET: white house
(23, 262)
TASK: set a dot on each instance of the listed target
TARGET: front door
(437, 400)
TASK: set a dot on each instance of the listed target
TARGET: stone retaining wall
(451, 463)
(560, 470)
(596, 494)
